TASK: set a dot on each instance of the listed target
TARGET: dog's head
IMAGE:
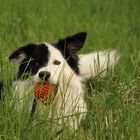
(47, 60)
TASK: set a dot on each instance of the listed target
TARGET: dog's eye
(56, 62)
(37, 63)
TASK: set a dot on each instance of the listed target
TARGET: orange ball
(44, 91)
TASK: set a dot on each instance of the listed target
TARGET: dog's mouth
(45, 91)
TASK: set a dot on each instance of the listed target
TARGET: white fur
(23, 93)
(69, 97)
(97, 63)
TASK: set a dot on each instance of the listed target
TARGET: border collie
(58, 63)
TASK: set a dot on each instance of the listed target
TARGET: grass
(113, 102)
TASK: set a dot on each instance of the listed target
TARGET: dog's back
(97, 63)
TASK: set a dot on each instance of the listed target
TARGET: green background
(114, 102)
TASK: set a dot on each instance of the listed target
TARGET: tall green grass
(113, 102)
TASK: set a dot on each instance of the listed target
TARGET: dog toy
(44, 91)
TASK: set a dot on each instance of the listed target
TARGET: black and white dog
(58, 63)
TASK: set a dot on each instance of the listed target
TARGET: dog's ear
(73, 43)
(22, 53)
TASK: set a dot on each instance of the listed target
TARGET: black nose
(44, 75)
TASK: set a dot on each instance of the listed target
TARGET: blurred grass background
(114, 109)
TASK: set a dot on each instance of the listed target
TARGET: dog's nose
(44, 75)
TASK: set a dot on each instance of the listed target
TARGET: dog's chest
(68, 101)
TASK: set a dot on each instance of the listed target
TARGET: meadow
(113, 101)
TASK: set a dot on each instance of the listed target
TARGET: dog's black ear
(22, 53)
(74, 43)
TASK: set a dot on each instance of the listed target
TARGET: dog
(58, 63)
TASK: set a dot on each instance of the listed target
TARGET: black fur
(69, 47)
(28, 49)
(37, 57)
